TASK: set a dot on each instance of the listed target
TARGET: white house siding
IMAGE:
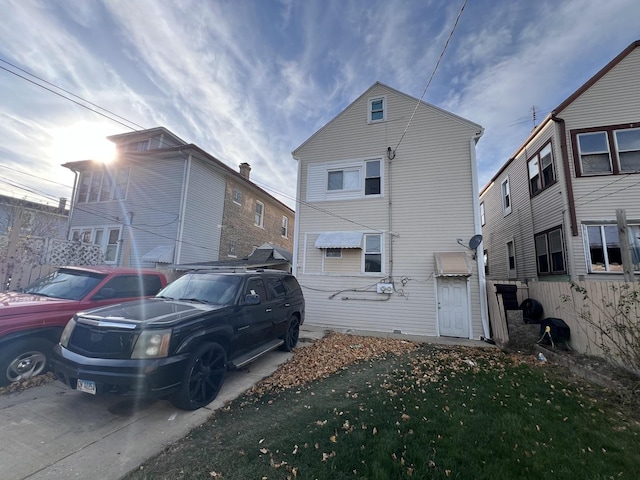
(203, 218)
(433, 205)
(154, 187)
(612, 100)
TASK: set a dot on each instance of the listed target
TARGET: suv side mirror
(252, 299)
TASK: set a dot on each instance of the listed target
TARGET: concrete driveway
(52, 432)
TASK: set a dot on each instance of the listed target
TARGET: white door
(453, 307)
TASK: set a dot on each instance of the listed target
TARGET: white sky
(250, 80)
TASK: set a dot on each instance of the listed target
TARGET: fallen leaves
(328, 355)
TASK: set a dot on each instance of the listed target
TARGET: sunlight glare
(82, 141)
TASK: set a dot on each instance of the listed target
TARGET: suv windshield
(209, 288)
(66, 284)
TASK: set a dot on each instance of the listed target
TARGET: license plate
(87, 386)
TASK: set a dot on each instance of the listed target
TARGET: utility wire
(71, 93)
(170, 145)
(432, 74)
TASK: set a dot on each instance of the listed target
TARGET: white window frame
(483, 218)
(505, 192)
(366, 177)
(370, 111)
(237, 196)
(511, 252)
(634, 243)
(259, 216)
(94, 182)
(232, 249)
(366, 252)
(100, 236)
(344, 172)
(285, 227)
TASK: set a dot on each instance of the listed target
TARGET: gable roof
(148, 133)
(366, 93)
(565, 103)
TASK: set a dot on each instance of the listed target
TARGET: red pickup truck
(32, 320)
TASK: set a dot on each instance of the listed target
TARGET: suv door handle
(268, 310)
(287, 304)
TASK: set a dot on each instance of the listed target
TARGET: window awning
(452, 264)
(339, 240)
(160, 254)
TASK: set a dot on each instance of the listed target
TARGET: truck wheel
(292, 335)
(24, 359)
(203, 377)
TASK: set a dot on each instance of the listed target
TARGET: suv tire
(292, 335)
(203, 377)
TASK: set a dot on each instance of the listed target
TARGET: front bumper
(143, 378)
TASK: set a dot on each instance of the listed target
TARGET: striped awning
(339, 240)
(452, 264)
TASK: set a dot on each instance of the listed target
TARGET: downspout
(183, 206)
(296, 222)
(482, 281)
(567, 173)
(390, 155)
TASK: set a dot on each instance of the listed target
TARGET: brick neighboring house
(164, 201)
(251, 218)
(550, 211)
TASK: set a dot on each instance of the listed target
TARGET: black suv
(181, 343)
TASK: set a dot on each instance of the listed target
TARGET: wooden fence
(585, 310)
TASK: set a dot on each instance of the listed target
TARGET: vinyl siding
(153, 198)
(613, 100)
(431, 189)
(202, 220)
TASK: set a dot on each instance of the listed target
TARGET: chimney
(62, 204)
(245, 170)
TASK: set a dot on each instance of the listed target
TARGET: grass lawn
(434, 412)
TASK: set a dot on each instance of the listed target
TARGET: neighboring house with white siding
(550, 211)
(384, 216)
(163, 201)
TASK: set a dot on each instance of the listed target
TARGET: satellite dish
(475, 241)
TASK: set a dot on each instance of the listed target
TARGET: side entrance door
(453, 307)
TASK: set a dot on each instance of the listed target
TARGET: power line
(170, 145)
(435, 69)
(70, 93)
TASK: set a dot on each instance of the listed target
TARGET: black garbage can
(558, 331)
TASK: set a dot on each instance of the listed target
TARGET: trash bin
(558, 331)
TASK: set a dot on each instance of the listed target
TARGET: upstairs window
(285, 227)
(372, 177)
(541, 170)
(377, 109)
(483, 219)
(628, 147)
(343, 180)
(610, 150)
(259, 216)
(237, 196)
(103, 185)
(594, 153)
(506, 197)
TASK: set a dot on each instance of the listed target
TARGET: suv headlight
(66, 333)
(152, 344)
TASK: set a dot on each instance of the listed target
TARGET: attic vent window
(377, 109)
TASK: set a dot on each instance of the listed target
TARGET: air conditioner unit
(384, 288)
